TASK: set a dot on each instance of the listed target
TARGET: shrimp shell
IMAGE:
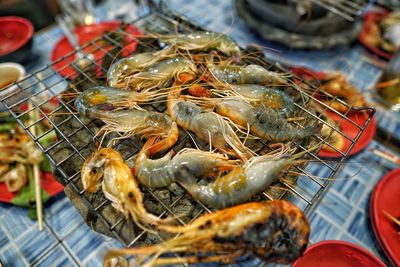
(162, 74)
(240, 184)
(115, 98)
(250, 74)
(274, 231)
(107, 169)
(117, 73)
(208, 126)
(131, 122)
(157, 173)
(203, 41)
(263, 121)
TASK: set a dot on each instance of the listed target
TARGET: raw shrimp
(262, 121)
(274, 231)
(240, 184)
(250, 74)
(120, 70)
(106, 169)
(208, 126)
(273, 98)
(156, 173)
(115, 98)
(140, 122)
(162, 74)
(203, 41)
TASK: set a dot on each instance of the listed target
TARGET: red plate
(386, 197)
(370, 19)
(308, 74)
(14, 33)
(345, 126)
(86, 34)
(335, 253)
(351, 131)
(49, 184)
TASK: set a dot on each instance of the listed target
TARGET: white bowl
(10, 73)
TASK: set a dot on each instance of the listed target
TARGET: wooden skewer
(36, 174)
(392, 218)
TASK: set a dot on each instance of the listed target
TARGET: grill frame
(25, 87)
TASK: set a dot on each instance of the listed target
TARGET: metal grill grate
(76, 137)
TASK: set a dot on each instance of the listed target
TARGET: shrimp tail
(171, 138)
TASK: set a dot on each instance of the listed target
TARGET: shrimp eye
(234, 80)
(130, 194)
(226, 145)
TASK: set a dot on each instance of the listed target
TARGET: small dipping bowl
(10, 73)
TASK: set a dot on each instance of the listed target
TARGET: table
(342, 214)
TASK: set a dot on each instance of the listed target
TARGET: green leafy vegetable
(26, 196)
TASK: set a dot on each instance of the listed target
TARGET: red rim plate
(351, 131)
(86, 34)
(386, 197)
(308, 74)
(14, 33)
(331, 253)
(370, 19)
(359, 117)
(49, 184)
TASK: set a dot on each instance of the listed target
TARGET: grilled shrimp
(125, 67)
(240, 184)
(276, 99)
(115, 98)
(203, 41)
(140, 122)
(261, 120)
(106, 169)
(208, 126)
(162, 74)
(250, 74)
(274, 231)
(273, 98)
(156, 173)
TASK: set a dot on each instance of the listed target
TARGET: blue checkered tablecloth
(342, 214)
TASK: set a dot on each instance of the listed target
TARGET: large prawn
(241, 183)
(202, 41)
(156, 173)
(162, 74)
(131, 122)
(106, 169)
(125, 67)
(208, 126)
(117, 99)
(274, 231)
(260, 119)
(274, 98)
(250, 74)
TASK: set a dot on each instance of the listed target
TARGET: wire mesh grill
(46, 90)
